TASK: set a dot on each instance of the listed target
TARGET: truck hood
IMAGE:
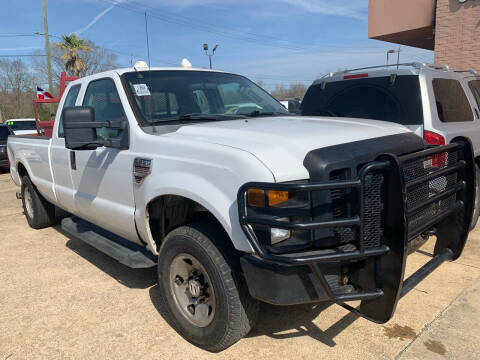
(281, 143)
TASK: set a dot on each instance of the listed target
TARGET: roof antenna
(149, 80)
(148, 46)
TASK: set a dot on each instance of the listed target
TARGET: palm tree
(72, 45)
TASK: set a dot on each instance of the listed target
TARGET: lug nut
(178, 280)
(191, 309)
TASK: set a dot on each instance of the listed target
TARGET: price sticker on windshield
(9, 123)
(141, 90)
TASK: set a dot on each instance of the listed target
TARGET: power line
(22, 55)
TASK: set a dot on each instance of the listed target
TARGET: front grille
(418, 194)
(340, 208)
(372, 210)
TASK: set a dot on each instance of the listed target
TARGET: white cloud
(98, 17)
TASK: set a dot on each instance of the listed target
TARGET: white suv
(436, 102)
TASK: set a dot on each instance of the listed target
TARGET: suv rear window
(451, 100)
(396, 99)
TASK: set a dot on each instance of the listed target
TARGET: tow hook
(18, 194)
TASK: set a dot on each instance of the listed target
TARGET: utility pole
(47, 47)
(205, 48)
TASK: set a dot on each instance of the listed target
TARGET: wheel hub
(195, 288)
(192, 290)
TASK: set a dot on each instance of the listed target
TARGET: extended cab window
(69, 102)
(451, 100)
(475, 87)
(102, 95)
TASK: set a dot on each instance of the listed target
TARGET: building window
(451, 100)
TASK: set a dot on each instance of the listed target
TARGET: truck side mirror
(77, 135)
(80, 129)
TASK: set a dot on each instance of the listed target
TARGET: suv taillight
(432, 138)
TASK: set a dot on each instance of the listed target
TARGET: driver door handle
(73, 160)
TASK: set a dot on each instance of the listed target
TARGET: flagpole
(47, 46)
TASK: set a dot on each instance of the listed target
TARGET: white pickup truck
(237, 201)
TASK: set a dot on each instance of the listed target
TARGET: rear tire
(38, 211)
(476, 210)
(230, 313)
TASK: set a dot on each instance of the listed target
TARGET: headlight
(279, 235)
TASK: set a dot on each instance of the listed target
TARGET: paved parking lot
(60, 298)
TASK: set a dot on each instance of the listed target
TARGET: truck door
(60, 155)
(102, 178)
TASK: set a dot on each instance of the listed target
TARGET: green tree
(71, 46)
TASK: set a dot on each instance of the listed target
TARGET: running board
(133, 256)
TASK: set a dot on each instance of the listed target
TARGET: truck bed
(34, 153)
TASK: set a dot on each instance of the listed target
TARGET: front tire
(38, 211)
(202, 293)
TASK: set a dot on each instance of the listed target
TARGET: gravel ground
(60, 298)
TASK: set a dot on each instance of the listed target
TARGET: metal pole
(210, 58)
(47, 47)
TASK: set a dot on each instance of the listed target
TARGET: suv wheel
(202, 293)
(38, 211)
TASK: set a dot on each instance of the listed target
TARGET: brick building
(449, 27)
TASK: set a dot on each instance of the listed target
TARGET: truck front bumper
(418, 199)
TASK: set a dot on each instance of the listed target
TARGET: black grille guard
(429, 190)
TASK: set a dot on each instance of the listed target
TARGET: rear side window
(451, 100)
(389, 98)
(475, 87)
(69, 102)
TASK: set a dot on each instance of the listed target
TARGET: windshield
(380, 98)
(22, 125)
(164, 96)
(4, 133)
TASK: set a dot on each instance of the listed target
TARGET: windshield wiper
(257, 113)
(198, 117)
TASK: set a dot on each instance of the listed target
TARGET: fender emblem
(141, 169)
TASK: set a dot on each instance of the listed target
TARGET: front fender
(218, 197)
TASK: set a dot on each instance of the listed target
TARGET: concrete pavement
(60, 298)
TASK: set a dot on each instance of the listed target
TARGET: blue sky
(276, 41)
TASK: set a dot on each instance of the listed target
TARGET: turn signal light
(256, 198)
(277, 197)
